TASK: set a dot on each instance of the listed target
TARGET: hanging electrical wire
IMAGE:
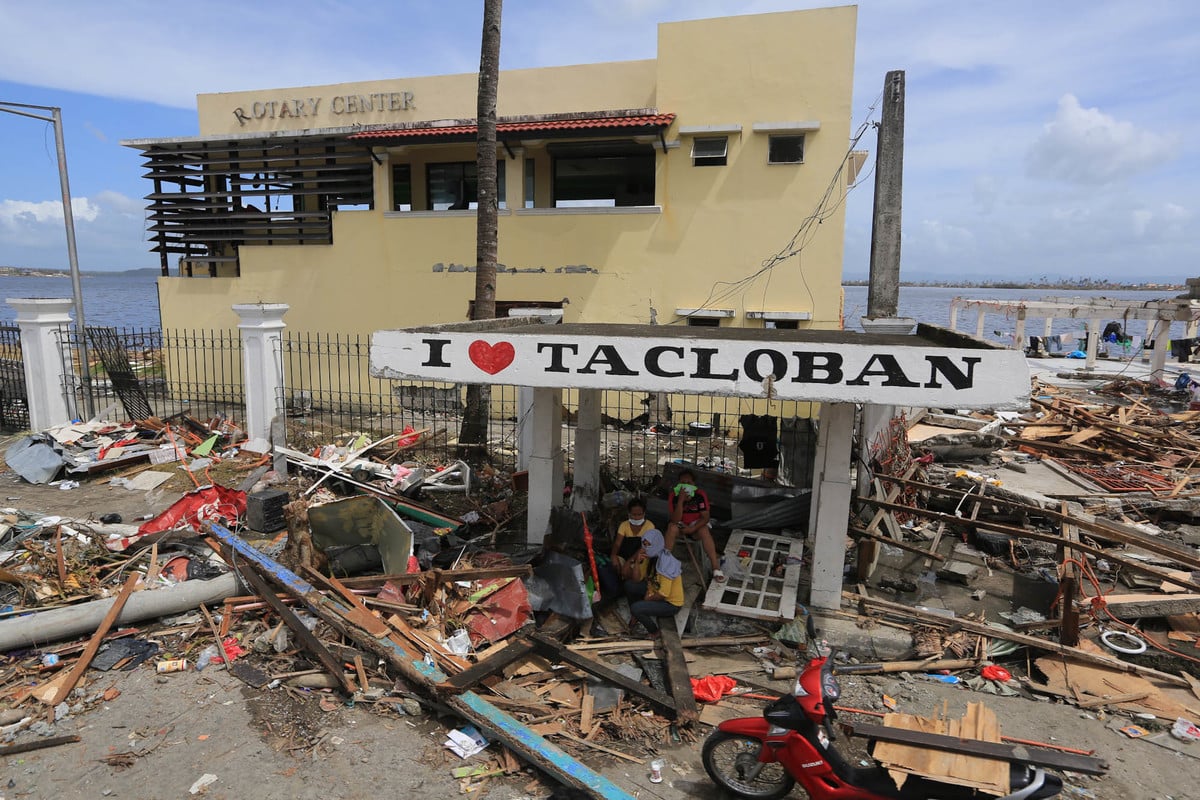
(831, 200)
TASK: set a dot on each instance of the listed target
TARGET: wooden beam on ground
(678, 676)
(648, 644)
(912, 548)
(555, 650)
(509, 731)
(513, 651)
(1088, 765)
(1009, 530)
(304, 636)
(442, 575)
(1103, 528)
(908, 612)
(93, 645)
(1134, 606)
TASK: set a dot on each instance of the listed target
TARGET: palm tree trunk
(472, 438)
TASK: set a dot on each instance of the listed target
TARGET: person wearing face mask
(660, 591)
(628, 540)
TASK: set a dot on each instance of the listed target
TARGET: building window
(785, 149)
(602, 174)
(530, 182)
(402, 187)
(704, 322)
(709, 151)
(782, 324)
(454, 185)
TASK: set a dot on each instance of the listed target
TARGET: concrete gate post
(545, 462)
(49, 377)
(830, 504)
(262, 363)
(585, 491)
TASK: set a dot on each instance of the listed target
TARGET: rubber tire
(716, 738)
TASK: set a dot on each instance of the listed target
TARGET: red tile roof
(578, 123)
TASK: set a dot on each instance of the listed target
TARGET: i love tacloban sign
(885, 371)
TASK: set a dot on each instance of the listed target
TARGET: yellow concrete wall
(547, 90)
(716, 224)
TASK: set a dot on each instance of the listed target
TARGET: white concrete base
(262, 364)
(49, 380)
(830, 504)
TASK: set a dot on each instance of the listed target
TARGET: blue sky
(1041, 138)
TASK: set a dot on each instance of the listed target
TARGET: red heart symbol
(491, 358)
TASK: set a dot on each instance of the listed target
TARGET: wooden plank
(589, 707)
(93, 645)
(1035, 642)
(855, 531)
(1088, 765)
(512, 652)
(678, 677)
(502, 727)
(307, 638)
(554, 650)
(1133, 606)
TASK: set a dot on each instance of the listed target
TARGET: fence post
(49, 374)
(585, 487)
(545, 462)
(262, 363)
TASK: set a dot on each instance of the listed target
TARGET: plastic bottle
(206, 657)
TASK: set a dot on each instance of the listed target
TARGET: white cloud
(1087, 146)
(17, 214)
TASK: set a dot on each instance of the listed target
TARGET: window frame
(473, 202)
(713, 159)
(779, 137)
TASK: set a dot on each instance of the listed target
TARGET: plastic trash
(1185, 729)
(941, 678)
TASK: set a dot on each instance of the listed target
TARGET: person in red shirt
(690, 515)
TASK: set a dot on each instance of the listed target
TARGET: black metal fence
(329, 395)
(135, 373)
(14, 406)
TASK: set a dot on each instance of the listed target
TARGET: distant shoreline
(1080, 284)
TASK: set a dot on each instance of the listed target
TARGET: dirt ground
(163, 733)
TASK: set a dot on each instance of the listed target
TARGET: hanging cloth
(758, 442)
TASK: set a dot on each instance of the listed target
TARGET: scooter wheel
(732, 762)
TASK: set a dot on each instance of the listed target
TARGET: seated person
(659, 590)
(628, 540)
(689, 516)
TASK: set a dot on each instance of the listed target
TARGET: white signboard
(919, 375)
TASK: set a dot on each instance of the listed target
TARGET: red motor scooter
(793, 741)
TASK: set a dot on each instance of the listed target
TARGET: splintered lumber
(440, 576)
(509, 731)
(1035, 642)
(512, 652)
(555, 650)
(1133, 606)
(903, 545)
(1055, 759)
(606, 648)
(306, 637)
(678, 676)
(1026, 533)
(1101, 527)
(89, 652)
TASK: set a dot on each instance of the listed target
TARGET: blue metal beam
(515, 734)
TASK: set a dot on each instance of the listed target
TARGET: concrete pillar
(979, 317)
(954, 314)
(49, 377)
(883, 293)
(830, 504)
(873, 422)
(1162, 347)
(1019, 331)
(262, 364)
(524, 426)
(1093, 343)
(1147, 338)
(585, 491)
(545, 462)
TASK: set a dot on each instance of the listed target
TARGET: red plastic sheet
(208, 503)
(712, 688)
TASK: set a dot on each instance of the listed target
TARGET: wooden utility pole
(883, 294)
(473, 436)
